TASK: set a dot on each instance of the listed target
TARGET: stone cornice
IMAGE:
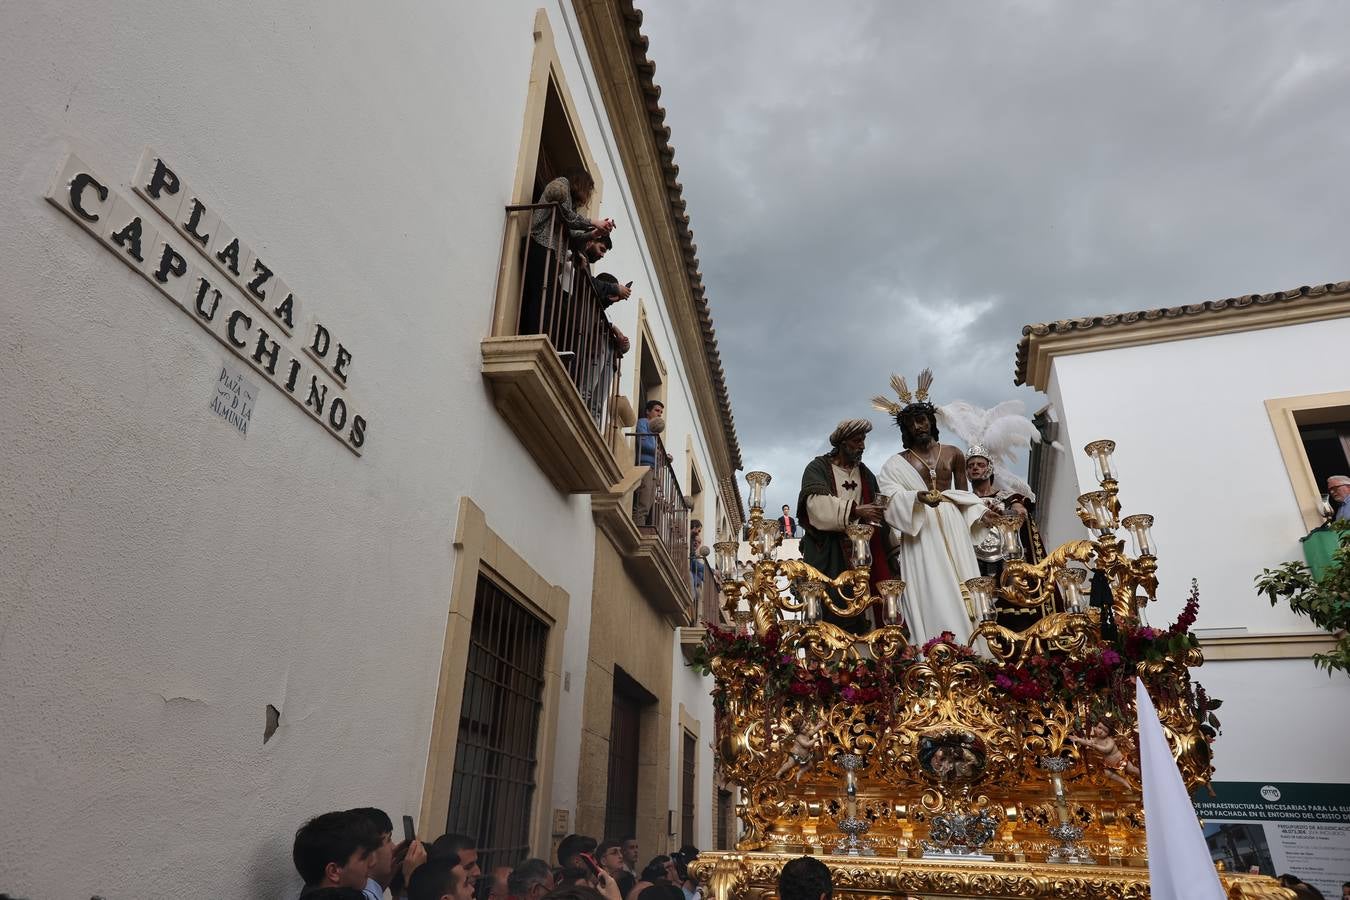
(1283, 645)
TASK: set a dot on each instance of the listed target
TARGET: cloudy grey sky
(880, 186)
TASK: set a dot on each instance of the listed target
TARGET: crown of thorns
(910, 402)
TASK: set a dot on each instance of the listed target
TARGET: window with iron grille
(689, 762)
(493, 787)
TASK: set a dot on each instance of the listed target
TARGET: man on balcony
(648, 427)
(695, 560)
(1338, 494)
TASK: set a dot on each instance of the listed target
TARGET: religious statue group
(933, 504)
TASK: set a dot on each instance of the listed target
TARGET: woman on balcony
(552, 229)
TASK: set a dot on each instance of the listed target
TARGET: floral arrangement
(1105, 673)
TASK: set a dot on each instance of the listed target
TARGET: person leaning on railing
(617, 292)
(695, 561)
(570, 191)
(1338, 497)
(648, 427)
(597, 372)
(607, 287)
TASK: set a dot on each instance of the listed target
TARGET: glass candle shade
(1057, 766)
(892, 593)
(769, 534)
(1140, 527)
(1100, 454)
(726, 559)
(1098, 505)
(982, 595)
(758, 482)
(812, 596)
(1070, 583)
(743, 615)
(860, 540)
(1061, 803)
(1010, 536)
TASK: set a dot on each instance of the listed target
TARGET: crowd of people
(351, 855)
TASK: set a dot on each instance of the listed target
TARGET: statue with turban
(838, 490)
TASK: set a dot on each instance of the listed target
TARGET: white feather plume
(1001, 430)
(1011, 483)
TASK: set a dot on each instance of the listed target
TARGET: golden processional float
(933, 770)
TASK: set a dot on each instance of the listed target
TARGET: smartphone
(408, 831)
(629, 284)
(590, 863)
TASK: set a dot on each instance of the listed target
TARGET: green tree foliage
(1325, 600)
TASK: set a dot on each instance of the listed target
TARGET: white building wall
(631, 259)
(1196, 449)
(165, 578)
(694, 692)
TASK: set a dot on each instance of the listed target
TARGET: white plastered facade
(1196, 448)
(164, 578)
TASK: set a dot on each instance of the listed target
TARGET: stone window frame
(481, 550)
(546, 70)
(1286, 415)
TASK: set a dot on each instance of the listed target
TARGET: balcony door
(625, 741)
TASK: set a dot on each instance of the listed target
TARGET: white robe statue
(936, 553)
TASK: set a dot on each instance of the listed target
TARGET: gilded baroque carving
(951, 743)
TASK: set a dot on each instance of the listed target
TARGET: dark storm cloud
(877, 187)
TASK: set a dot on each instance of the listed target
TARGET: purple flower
(1110, 657)
(1002, 681)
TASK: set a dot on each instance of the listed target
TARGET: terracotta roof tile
(1125, 320)
(646, 69)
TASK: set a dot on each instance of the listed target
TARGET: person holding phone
(602, 881)
(407, 856)
(551, 230)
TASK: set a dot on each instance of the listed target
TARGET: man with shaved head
(837, 491)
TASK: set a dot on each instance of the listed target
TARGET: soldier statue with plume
(993, 436)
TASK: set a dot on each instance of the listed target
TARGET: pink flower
(1110, 657)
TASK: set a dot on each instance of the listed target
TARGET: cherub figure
(802, 754)
(1115, 762)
